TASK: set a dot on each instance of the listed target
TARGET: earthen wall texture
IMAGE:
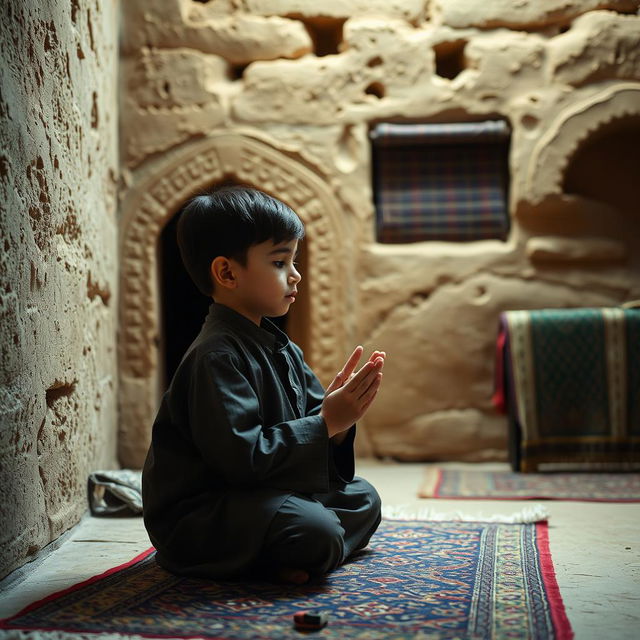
(58, 264)
(308, 80)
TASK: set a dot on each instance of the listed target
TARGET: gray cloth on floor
(117, 492)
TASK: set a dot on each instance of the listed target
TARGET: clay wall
(261, 91)
(282, 94)
(58, 265)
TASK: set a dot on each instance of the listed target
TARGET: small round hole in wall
(375, 89)
(236, 71)
(481, 295)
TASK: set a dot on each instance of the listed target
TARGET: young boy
(251, 464)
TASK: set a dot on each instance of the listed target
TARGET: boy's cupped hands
(351, 393)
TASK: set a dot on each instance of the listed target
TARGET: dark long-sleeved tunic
(238, 432)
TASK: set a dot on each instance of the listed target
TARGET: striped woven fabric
(573, 378)
(441, 181)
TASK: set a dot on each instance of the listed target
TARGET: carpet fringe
(532, 513)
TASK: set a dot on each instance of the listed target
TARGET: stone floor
(595, 549)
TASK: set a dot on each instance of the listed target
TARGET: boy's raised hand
(350, 394)
(349, 367)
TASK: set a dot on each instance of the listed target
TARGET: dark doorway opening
(183, 307)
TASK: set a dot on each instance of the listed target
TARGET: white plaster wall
(58, 264)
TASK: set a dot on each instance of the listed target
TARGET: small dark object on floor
(310, 620)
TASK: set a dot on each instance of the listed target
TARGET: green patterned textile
(573, 379)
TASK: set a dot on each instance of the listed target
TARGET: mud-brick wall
(58, 264)
(283, 93)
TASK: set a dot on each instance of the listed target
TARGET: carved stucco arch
(566, 133)
(149, 205)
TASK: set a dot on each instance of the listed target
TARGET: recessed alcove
(325, 32)
(441, 181)
(605, 166)
(183, 307)
(450, 59)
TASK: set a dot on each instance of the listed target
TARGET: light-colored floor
(595, 549)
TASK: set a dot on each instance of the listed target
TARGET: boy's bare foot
(295, 576)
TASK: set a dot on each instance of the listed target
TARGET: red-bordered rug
(507, 485)
(417, 579)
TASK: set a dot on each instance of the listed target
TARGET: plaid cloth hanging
(441, 181)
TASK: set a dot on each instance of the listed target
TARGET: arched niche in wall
(606, 167)
(545, 175)
(160, 189)
(579, 199)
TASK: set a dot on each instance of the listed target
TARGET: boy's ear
(222, 273)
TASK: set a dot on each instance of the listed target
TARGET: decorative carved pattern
(275, 178)
(139, 317)
(173, 188)
(157, 197)
(577, 123)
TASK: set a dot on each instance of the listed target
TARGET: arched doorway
(152, 203)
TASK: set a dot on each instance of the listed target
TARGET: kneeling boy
(251, 464)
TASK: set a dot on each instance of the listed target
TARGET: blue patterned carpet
(419, 580)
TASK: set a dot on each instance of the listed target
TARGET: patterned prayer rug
(505, 485)
(416, 580)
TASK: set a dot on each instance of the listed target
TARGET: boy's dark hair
(226, 222)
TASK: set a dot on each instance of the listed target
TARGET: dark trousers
(318, 532)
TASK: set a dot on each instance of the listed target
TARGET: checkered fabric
(441, 181)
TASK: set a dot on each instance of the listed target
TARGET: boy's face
(267, 285)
